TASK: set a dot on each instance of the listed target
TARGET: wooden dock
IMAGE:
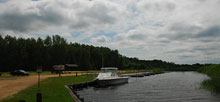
(141, 74)
(74, 88)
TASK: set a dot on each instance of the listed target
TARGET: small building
(71, 67)
(64, 68)
(58, 69)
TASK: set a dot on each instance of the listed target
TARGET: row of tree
(27, 54)
(130, 63)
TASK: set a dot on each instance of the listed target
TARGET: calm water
(168, 87)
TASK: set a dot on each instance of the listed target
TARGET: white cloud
(182, 31)
(100, 39)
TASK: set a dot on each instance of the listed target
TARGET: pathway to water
(168, 87)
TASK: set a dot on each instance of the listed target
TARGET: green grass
(52, 89)
(157, 70)
(44, 72)
(213, 84)
(5, 75)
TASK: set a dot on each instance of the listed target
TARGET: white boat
(108, 76)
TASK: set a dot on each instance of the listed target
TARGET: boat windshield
(108, 70)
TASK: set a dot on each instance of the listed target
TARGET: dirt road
(10, 86)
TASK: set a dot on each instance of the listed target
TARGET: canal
(167, 87)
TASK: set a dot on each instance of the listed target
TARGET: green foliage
(213, 71)
(52, 89)
(213, 85)
(26, 54)
(135, 63)
(157, 70)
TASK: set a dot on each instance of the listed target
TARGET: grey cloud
(182, 36)
(202, 0)
(170, 6)
(47, 15)
(182, 32)
(211, 53)
(97, 14)
(206, 40)
(176, 36)
(185, 56)
(202, 48)
(195, 32)
(101, 40)
(15, 21)
(137, 36)
(79, 24)
(179, 51)
(164, 41)
(213, 31)
(179, 31)
(212, 60)
(208, 50)
(51, 16)
(181, 27)
(19, 22)
(160, 6)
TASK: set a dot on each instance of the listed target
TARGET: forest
(27, 54)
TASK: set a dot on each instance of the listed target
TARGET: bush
(213, 84)
(157, 70)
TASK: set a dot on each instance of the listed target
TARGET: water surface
(168, 87)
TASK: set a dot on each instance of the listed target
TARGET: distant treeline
(27, 54)
(167, 66)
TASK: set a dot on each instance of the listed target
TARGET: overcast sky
(180, 31)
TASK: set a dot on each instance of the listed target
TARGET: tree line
(27, 54)
(135, 63)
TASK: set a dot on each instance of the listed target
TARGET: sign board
(39, 69)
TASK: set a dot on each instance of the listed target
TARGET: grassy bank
(213, 84)
(157, 70)
(52, 89)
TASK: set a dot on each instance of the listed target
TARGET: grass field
(52, 89)
(213, 84)
(157, 70)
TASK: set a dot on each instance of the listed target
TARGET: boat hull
(111, 82)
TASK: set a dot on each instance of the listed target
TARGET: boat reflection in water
(108, 77)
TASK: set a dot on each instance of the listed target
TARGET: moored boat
(108, 76)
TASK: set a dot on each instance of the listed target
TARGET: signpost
(39, 95)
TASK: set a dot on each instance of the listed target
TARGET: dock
(141, 74)
(74, 88)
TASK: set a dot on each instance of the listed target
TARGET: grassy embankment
(157, 70)
(213, 84)
(52, 89)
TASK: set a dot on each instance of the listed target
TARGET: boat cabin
(108, 73)
(113, 71)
